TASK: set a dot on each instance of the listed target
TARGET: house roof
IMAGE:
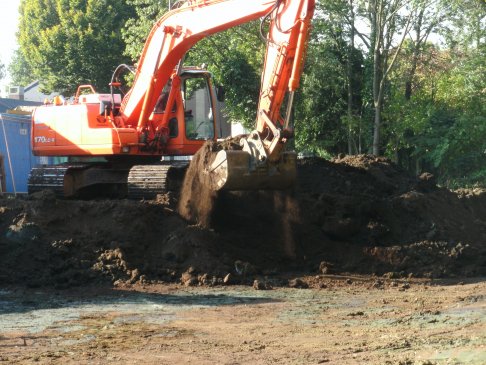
(6, 104)
(31, 86)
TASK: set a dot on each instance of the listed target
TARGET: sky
(9, 20)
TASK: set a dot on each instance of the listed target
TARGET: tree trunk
(377, 129)
(350, 79)
(377, 99)
(417, 45)
(383, 20)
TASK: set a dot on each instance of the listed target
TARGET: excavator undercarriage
(86, 181)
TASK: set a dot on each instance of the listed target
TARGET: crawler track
(146, 181)
(47, 178)
(142, 181)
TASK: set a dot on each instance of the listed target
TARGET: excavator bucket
(235, 170)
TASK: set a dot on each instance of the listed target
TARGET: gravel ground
(341, 320)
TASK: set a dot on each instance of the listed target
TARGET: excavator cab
(186, 110)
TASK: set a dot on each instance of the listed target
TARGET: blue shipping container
(16, 150)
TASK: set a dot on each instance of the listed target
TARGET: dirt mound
(386, 218)
(357, 214)
(65, 243)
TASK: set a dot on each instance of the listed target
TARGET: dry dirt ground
(358, 320)
(360, 263)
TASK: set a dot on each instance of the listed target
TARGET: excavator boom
(172, 36)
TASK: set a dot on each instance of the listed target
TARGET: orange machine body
(86, 128)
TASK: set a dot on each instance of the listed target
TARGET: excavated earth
(358, 214)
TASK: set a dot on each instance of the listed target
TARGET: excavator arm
(286, 43)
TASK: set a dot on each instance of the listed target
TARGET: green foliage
(242, 84)
(458, 154)
(467, 23)
(321, 102)
(20, 70)
(138, 26)
(321, 121)
(461, 153)
(67, 43)
(443, 126)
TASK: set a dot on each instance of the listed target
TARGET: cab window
(198, 111)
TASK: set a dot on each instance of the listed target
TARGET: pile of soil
(358, 214)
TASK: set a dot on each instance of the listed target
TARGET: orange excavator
(129, 143)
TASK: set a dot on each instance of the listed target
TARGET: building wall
(3, 188)
(223, 126)
(29, 93)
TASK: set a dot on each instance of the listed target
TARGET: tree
(321, 102)
(334, 24)
(387, 20)
(20, 70)
(2, 70)
(138, 26)
(459, 155)
(354, 74)
(417, 60)
(349, 75)
(72, 42)
(442, 127)
(429, 17)
(467, 23)
(329, 101)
